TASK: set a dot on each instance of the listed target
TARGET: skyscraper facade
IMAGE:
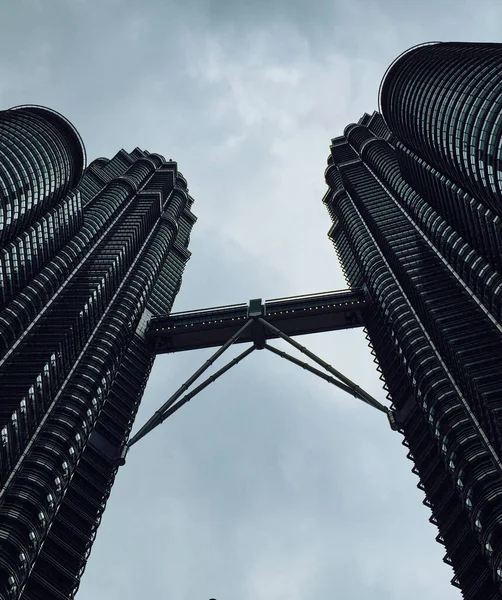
(415, 200)
(87, 256)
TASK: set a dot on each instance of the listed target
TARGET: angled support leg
(355, 389)
(157, 417)
(317, 372)
(187, 397)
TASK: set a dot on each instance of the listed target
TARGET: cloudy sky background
(270, 485)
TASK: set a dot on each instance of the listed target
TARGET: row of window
(444, 103)
(25, 256)
(106, 426)
(94, 315)
(372, 205)
(37, 169)
(475, 271)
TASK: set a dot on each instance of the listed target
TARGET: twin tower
(88, 255)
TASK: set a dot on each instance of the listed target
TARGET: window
(488, 544)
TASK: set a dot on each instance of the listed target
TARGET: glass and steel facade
(41, 159)
(74, 360)
(443, 101)
(410, 228)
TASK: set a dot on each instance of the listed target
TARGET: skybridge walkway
(299, 315)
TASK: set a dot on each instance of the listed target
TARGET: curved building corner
(42, 159)
(443, 102)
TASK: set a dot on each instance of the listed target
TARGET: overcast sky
(270, 485)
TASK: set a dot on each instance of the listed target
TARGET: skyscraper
(415, 198)
(87, 256)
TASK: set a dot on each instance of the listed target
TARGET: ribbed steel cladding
(106, 210)
(80, 513)
(402, 295)
(103, 425)
(444, 101)
(129, 387)
(442, 303)
(478, 274)
(38, 164)
(27, 254)
(476, 223)
(389, 368)
(74, 324)
(41, 494)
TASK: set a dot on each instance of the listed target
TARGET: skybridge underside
(210, 328)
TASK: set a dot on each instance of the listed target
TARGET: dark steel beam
(300, 315)
(311, 369)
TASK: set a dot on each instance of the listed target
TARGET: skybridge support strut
(164, 414)
(257, 323)
(355, 389)
(157, 417)
(320, 374)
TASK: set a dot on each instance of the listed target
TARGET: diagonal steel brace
(187, 397)
(319, 373)
(157, 418)
(356, 390)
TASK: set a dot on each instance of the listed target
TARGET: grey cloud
(270, 480)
